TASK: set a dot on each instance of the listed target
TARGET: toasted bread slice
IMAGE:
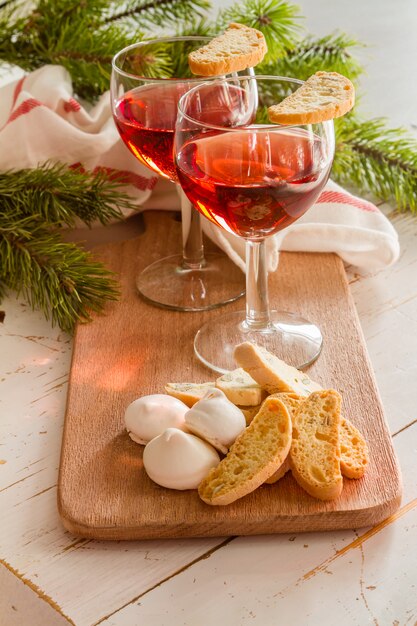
(240, 388)
(324, 96)
(292, 402)
(256, 454)
(354, 455)
(315, 449)
(271, 373)
(189, 393)
(237, 49)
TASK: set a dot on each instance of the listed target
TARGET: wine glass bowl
(253, 179)
(145, 94)
(148, 79)
(150, 141)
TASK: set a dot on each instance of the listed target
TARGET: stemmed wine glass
(253, 179)
(148, 79)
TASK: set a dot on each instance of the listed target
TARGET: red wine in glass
(252, 183)
(145, 118)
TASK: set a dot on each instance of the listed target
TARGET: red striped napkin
(41, 121)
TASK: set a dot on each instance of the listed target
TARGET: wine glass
(148, 79)
(252, 179)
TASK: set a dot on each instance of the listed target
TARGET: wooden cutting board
(135, 348)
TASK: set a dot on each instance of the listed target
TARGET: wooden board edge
(316, 522)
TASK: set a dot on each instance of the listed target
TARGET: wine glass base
(167, 284)
(293, 339)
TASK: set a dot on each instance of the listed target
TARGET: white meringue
(178, 460)
(149, 416)
(216, 419)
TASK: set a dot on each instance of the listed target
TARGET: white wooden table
(369, 576)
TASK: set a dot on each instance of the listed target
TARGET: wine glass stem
(257, 301)
(192, 235)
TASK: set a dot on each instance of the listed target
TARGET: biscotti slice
(292, 402)
(240, 388)
(324, 96)
(354, 455)
(256, 454)
(237, 49)
(189, 393)
(315, 449)
(271, 373)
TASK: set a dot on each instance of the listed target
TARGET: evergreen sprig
(61, 195)
(83, 36)
(332, 53)
(57, 277)
(377, 159)
(63, 32)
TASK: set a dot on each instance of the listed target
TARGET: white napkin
(41, 121)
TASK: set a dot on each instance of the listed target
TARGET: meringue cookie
(216, 419)
(178, 460)
(150, 416)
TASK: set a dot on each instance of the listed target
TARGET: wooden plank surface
(135, 348)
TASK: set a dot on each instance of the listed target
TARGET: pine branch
(63, 32)
(59, 278)
(277, 19)
(377, 159)
(60, 195)
(83, 36)
(333, 53)
(159, 12)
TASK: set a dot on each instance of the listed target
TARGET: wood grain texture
(135, 348)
